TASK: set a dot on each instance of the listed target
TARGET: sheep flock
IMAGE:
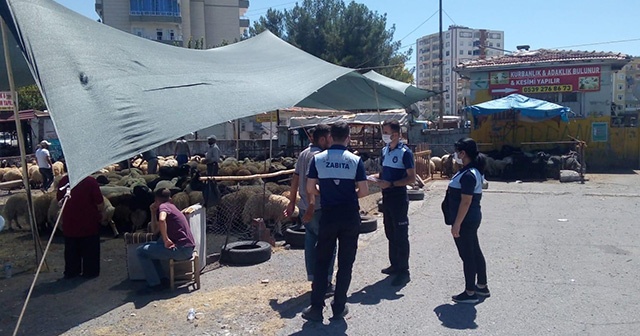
(128, 193)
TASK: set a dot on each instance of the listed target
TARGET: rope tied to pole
(64, 200)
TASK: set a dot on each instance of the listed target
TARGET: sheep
(268, 207)
(15, 210)
(12, 174)
(437, 162)
(432, 168)
(447, 165)
(35, 178)
(196, 197)
(107, 210)
(58, 168)
(53, 212)
(41, 206)
(287, 194)
(275, 188)
(170, 163)
(181, 200)
(230, 209)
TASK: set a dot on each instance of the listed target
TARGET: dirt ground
(59, 306)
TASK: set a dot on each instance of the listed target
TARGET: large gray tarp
(112, 95)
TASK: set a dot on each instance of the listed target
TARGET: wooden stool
(191, 276)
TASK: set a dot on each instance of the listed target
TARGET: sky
(569, 24)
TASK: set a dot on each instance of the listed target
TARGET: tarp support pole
(23, 152)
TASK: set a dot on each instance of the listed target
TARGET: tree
(29, 98)
(348, 35)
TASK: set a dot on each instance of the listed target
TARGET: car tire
(295, 237)
(368, 224)
(415, 195)
(245, 253)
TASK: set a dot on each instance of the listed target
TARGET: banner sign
(6, 101)
(542, 80)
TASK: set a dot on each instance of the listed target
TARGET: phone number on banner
(547, 88)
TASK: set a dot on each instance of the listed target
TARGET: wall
(440, 141)
(116, 14)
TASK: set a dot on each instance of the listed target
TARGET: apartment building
(625, 105)
(461, 44)
(177, 21)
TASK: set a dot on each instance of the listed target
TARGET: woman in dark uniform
(465, 193)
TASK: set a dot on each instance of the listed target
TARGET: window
(447, 53)
(470, 44)
(447, 61)
(138, 32)
(172, 35)
(620, 86)
(462, 43)
(498, 45)
(448, 105)
(465, 34)
(569, 97)
(448, 79)
(469, 52)
(476, 35)
(491, 44)
(446, 87)
(447, 96)
(621, 76)
(495, 35)
(448, 44)
(159, 34)
(447, 35)
(620, 97)
(461, 52)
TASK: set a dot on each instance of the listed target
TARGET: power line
(596, 43)
(447, 14)
(270, 7)
(418, 27)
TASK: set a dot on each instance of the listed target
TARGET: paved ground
(547, 276)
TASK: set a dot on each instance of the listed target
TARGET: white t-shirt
(41, 157)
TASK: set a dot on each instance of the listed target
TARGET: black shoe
(331, 290)
(484, 292)
(465, 298)
(312, 313)
(401, 279)
(389, 270)
(148, 290)
(70, 276)
(340, 315)
(90, 276)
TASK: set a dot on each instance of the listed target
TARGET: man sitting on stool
(175, 241)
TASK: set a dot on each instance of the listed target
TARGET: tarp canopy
(530, 109)
(367, 118)
(112, 94)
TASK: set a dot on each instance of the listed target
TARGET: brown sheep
(181, 200)
(41, 206)
(15, 211)
(12, 174)
(58, 168)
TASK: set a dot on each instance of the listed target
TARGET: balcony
(243, 4)
(244, 22)
(155, 16)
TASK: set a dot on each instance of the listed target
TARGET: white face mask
(386, 138)
(456, 158)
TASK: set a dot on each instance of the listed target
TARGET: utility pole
(441, 112)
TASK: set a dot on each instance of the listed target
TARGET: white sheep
(437, 162)
(270, 208)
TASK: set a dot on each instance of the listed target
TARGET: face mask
(386, 138)
(457, 159)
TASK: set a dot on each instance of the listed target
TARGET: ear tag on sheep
(337, 182)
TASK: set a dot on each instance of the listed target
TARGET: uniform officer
(397, 172)
(342, 179)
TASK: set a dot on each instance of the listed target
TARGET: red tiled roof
(7, 116)
(544, 56)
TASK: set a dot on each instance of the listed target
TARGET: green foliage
(29, 98)
(348, 35)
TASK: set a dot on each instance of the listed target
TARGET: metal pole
(21, 140)
(270, 134)
(441, 117)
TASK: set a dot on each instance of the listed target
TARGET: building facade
(461, 44)
(583, 81)
(626, 95)
(212, 22)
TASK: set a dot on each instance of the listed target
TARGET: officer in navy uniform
(341, 178)
(397, 172)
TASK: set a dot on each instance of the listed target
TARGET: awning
(113, 93)
(530, 109)
(7, 116)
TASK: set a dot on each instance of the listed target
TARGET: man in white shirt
(212, 156)
(43, 157)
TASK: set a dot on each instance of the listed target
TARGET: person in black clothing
(398, 171)
(465, 193)
(342, 179)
